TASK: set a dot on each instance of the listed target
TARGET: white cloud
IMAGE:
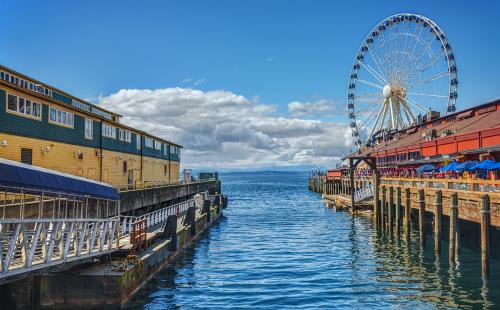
(220, 129)
(320, 108)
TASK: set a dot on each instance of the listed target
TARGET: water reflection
(278, 247)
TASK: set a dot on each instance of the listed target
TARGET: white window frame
(89, 129)
(24, 112)
(62, 118)
(157, 145)
(108, 131)
(138, 141)
(148, 142)
(125, 135)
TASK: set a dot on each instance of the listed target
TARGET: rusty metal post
(407, 214)
(438, 211)
(398, 211)
(485, 235)
(389, 210)
(421, 216)
(453, 225)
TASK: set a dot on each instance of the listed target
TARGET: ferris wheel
(404, 68)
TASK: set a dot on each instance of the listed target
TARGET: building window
(157, 145)
(148, 142)
(165, 149)
(89, 129)
(125, 135)
(138, 141)
(23, 106)
(60, 117)
(108, 131)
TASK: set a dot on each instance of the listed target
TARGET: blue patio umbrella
(466, 166)
(484, 165)
(425, 168)
(495, 166)
(450, 167)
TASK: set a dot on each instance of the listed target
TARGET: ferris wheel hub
(387, 91)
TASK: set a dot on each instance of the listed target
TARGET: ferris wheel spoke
(377, 61)
(417, 42)
(425, 49)
(428, 80)
(409, 114)
(370, 84)
(393, 114)
(371, 105)
(374, 94)
(416, 105)
(368, 119)
(381, 111)
(405, 48)
(374, 73)
(424, 67)
(428, 95)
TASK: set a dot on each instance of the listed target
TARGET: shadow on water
(278, 247)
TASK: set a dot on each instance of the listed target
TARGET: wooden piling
(407, 214)
(421, 216)
(398, 211)
(382, 209)
(352, 184)
(485, 234)
(376, 202)
(389, 210)
(453, 225)
(438, 211)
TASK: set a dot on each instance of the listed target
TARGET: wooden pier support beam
(421, 216)
(438, 211)
(376, 202)
(398, 211)
(389, 210)
(453, 225)
(351, 184)
(382, 209)
(485, 235)
(407, 214)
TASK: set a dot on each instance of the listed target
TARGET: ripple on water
(278, 247)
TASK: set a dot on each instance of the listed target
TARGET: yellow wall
(64, 158)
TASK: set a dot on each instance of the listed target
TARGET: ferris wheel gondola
(404, 68)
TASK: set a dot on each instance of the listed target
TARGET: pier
(92, 236)
(395, 200)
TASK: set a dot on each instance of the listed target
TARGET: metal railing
(31, 244)
(155, 217)
(156, 184)
(364, 193)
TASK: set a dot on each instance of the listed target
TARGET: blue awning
(466, 166)
(15, 174)
(484, 165)
(425, 168)
(495, 166)
(450, 167)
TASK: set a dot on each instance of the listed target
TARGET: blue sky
(271, 52)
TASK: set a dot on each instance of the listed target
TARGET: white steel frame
(404, 65)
